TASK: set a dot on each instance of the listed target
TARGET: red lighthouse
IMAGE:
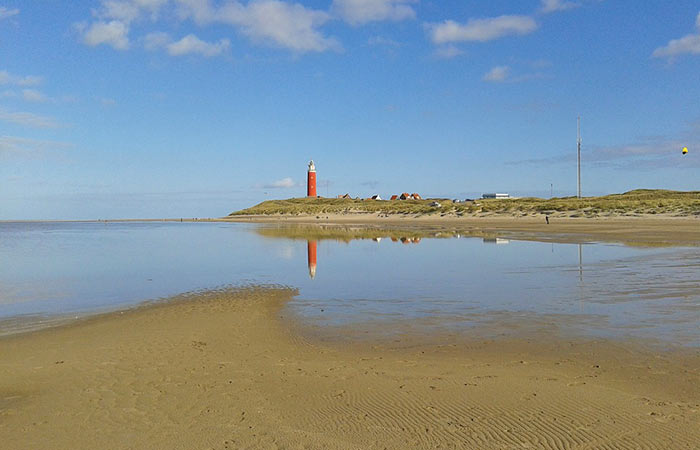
(311, 180)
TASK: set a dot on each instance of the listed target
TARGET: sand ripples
(220, 372)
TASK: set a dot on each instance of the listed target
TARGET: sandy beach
(231, 369)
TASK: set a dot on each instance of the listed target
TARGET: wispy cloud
(6, 12)
(383, 41)
(284, 183)
(28, 80)
(32, 95)
(498, 74)
(106, 102)
(481, 30)
(28, 119)
(359, 12)
(550, 6)
(25, 148)
(689, 44)
(504, 74)
(370, 184)
(156, 40)
(448, 52)
(650, 152)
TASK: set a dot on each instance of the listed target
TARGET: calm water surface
(591, 289)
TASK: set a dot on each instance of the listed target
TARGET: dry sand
(231, 370)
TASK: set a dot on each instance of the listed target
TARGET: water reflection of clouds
(286, 252)
(616, 290)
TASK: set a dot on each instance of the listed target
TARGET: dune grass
(346, 233)
(637, 202)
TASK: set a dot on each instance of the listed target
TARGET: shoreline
(643, 230)
(232, 369)
(672, 231)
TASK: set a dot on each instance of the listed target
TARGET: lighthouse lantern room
(311, 180)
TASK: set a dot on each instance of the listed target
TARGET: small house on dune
(407, 196)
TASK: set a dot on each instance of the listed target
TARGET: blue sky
(195, 108)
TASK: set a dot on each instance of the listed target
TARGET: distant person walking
(546, 218)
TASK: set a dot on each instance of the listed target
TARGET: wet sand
(233, 370)
(642, 230)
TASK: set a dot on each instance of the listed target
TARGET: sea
(437, 279)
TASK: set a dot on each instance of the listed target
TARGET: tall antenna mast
(578, 142)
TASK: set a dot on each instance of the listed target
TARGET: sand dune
(231, 370)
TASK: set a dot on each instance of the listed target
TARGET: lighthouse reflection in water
(312, 249)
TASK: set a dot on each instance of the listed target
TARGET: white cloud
(32, 95)
(201, 11)
(29, 80)
(498, 74)
(192, 44)
(284, 183)
(189, 44)
(448, 52)
(358, 12)
(127, 11)
(5, 12)
(549, 6)
(123, 11)
(285, 25)
(114, 33)
(28, 119)
(481, 30)
(687, 44)
(272, 22)
(115, 18)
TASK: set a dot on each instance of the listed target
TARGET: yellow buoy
(685, 150)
